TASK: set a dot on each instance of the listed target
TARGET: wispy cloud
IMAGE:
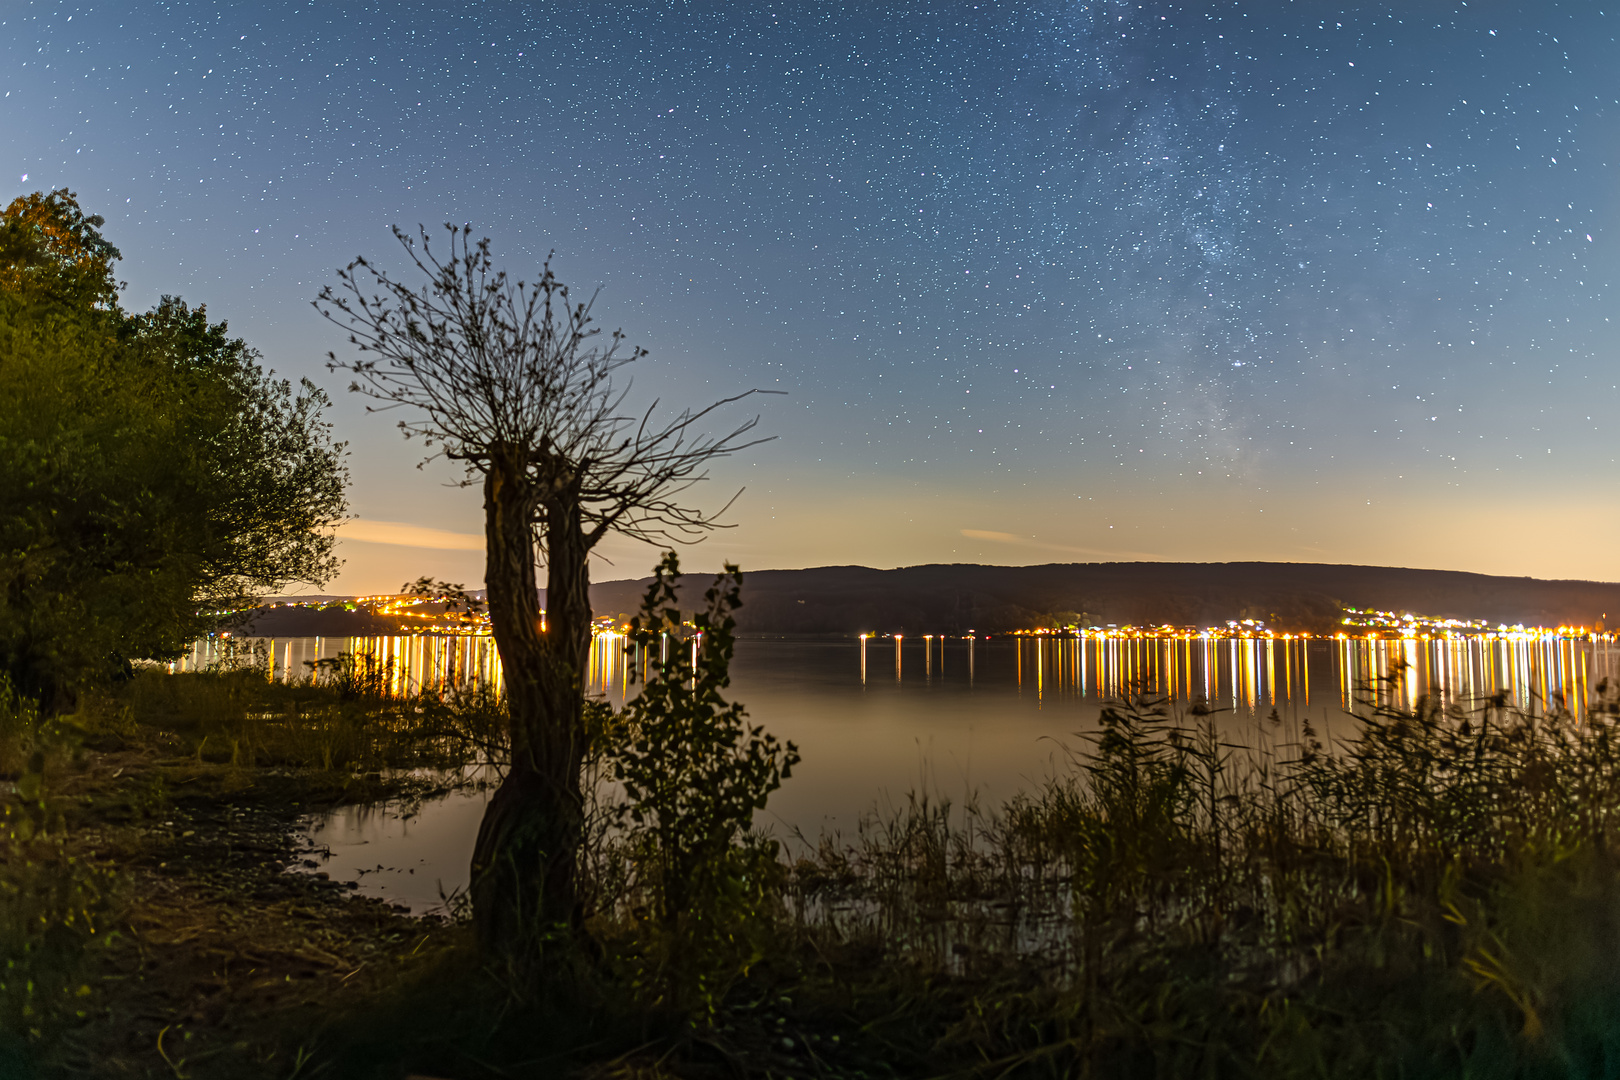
(404, 535)
(1031, 542)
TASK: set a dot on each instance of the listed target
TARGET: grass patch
(146, 924)
(345, 717)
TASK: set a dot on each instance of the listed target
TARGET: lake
(875, 719)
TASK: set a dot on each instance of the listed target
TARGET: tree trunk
(560, 745)
(524, 871)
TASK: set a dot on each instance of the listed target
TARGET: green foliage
(262, 479)
(53, 906)
(694, 772)
(149, 468)
(52, 253)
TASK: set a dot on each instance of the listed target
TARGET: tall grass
(344, 716)
(54, 902)
(1438, 894)
(1435, 894)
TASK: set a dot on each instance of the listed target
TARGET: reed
(1437, 894)
(342, 717)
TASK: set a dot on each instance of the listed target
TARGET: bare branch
(491, 366)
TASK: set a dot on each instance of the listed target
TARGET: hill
(316, 620)
(955, 598)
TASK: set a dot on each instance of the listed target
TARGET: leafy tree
(52, 253)
(694, 772)
(509, 379)
(149, 469)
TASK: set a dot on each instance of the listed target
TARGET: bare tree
(512, 380)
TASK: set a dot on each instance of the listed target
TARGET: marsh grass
(1438, 894)
(348, 715)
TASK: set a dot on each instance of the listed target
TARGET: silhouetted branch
(496, 366)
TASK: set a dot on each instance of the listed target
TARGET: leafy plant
(694, 772)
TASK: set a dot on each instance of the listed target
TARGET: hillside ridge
(958, 597)
(955, 598)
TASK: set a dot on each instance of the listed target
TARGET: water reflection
(409, 663)
(1242, 673)
(412, 854)
(959, 718)
(1258, 673)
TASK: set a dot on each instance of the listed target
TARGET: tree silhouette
(512, 380)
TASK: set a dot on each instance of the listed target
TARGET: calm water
(953, 718)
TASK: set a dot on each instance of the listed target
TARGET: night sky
(1043, 282)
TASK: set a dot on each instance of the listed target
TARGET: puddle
(412, 854)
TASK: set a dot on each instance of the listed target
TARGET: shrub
(693, 773)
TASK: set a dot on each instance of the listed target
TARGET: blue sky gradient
(1042, 281)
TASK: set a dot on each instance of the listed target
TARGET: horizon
(315, 595)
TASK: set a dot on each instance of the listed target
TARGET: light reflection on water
(411, 662)
(1249, 674)
(960, 719)
(1243, 674)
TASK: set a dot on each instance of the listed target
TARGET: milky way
(1058, 272)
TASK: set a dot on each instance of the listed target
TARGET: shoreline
(218, 960)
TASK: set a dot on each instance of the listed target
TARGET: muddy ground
(217, 962)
